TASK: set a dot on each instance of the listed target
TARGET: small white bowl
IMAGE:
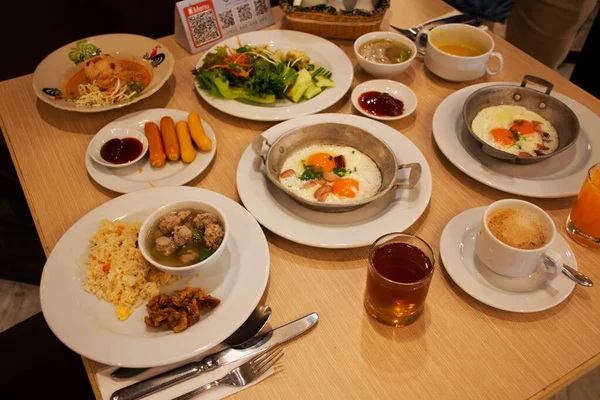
(384, 70)
(193, 269)
(115, 133)
(394, 89)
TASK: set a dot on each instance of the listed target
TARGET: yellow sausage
(188, 153)
(155, 145)
(169, 137)
(202, 141)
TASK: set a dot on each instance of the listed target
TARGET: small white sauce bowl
(384, 70)
(394, 89)
(115, 133)
(189, 270)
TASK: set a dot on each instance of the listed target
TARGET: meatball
(204, 219)
(182, 235)
(213, 236)
(183, 215)
(168, 223)
(103, 69)
(188, 257)
(165, 245)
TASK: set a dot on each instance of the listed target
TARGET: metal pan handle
(257, 146)
(413, 178)
(538, 81)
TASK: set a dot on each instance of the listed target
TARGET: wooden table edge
(567, 379)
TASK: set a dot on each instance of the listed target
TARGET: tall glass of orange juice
(583, 224)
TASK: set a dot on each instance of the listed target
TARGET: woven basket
(333, 26)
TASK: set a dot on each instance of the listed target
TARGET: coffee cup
(458, 52)
(515, 238)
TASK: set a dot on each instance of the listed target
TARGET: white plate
(559, 176)
(90, 327)
(321, 52)
(51, 75)
(394, 89)
(141, 175)
(279, 213)
(529, 294)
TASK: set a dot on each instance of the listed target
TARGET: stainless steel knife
(259, 344)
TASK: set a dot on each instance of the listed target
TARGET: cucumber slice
(312, 91)
(323, 82)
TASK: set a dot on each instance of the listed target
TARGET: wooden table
(459, 348)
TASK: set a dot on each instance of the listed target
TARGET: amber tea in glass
(583, 224)
(400, 270)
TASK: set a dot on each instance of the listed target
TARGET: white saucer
(394, 89)
(279, 213)
(141, 175)
(529, 294)
(559, 176)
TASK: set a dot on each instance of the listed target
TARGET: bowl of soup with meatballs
(184, 237)
(102, 72)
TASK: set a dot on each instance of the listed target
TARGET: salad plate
(321, 54)
(140, 174)
(559, 176)
(89, 326)
(281, 214)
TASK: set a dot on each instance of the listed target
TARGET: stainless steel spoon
(255, 322)
(577, 276)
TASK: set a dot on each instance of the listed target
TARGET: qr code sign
(260, 6)
(226, 19)
(244, 12)
(203, 25)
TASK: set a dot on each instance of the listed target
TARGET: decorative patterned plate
(51, 75)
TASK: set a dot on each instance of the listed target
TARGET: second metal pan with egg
(555, 111)
(334, 134)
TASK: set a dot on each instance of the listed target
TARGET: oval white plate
(559, 176)
(51, 75)
(278, 212)
(394, 89)
(141, 175)
(90, 327)
(529, 294)
(105, 135)
(321, 52)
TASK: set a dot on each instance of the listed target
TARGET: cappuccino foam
(518, 228)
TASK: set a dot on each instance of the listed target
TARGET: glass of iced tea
(400, 270)
(583, 224)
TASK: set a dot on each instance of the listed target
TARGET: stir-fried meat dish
(180, 310)
(185, 237)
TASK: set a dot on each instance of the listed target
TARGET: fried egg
(515, 130)
(331, 174)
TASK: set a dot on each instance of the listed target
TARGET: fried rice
(117, 271)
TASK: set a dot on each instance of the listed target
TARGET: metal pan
(334, 134)
(555, 111)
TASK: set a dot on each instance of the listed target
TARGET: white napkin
(108, 385)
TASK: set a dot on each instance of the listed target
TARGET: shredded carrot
(106, 267)
(239, 42)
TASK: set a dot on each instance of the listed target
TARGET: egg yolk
(323, 160)
(345, 187)
(503, 136)
(523, 127)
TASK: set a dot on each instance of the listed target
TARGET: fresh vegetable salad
(259, 75)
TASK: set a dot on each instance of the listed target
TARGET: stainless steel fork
(242, 375)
